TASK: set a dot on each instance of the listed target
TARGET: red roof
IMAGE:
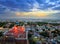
(16, 31)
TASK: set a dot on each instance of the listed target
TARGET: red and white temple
(18, 32)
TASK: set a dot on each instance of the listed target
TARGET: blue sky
(49, 9)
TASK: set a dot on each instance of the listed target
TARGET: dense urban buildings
(29, 33)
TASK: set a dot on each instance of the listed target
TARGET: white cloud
(51, 8)
(47, 1)
(35, 6)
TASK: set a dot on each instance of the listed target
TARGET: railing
(26, 38)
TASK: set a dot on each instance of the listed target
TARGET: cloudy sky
(45, 9)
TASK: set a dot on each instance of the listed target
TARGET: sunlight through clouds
(36, 13)
(30, 8)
